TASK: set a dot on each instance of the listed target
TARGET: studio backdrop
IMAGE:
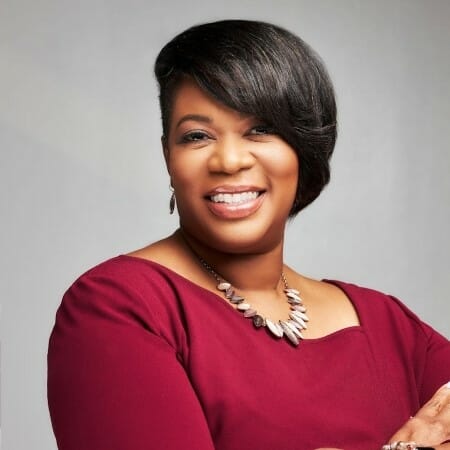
(83, 177)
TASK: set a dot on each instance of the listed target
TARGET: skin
(221, 147)
(210, 145)
(431, 424)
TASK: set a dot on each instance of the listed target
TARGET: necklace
(290, 328)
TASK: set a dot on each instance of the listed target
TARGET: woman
(206, 339)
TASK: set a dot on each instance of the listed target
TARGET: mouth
(235, 202)
(235, 198)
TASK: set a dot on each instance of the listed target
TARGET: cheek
(284, 165)
(285, 170)
(186, 169)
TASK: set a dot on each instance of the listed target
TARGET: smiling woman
(206, 339)
(234, 178)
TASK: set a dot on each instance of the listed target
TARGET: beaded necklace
(290, 328)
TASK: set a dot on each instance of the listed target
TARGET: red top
(142, 358)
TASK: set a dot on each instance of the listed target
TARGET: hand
(328, 448)
(430, 427)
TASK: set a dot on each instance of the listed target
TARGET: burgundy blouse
(142, 358)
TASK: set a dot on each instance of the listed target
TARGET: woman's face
(235, 179)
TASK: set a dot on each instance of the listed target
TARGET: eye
(194, 136)
(261, 130)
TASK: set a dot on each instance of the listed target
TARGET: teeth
(240, 197)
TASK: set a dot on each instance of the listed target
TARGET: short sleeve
(114, 380)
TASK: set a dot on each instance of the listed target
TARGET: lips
(234, 202)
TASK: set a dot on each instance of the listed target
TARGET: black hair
(265, 71)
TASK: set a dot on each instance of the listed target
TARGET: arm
(430, 426)
(436, 366)
(113, 383)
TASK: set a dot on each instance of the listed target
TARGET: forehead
(190, 100)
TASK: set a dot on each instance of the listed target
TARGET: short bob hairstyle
(261, 70)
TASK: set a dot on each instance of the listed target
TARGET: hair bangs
(265, 71)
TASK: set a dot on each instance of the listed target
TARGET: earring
(172, 201)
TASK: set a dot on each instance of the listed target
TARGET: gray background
(83, 177)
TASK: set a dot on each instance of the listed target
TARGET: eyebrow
(196, 117)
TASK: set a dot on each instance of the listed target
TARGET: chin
(249, 236)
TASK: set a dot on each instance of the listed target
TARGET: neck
(245, 271)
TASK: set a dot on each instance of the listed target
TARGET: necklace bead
(258, 321)
(289, 328)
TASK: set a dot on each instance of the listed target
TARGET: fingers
(403, 445)
(426, 432)
(332, 448)
(431, 425)
(437, 405)
(445, 446)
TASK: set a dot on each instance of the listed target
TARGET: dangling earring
(172, 201)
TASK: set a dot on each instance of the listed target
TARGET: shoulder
(368, 297)
(126, 274)
(382, 311)
(123, 279)
(402, 341)
(125, 291)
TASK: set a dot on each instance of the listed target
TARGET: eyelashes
(194, 136)
(261, 130)
(198, 136)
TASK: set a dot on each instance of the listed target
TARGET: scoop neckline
(339, 284)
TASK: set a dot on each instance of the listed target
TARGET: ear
(165, 151)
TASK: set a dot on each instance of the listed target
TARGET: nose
(230, 156)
